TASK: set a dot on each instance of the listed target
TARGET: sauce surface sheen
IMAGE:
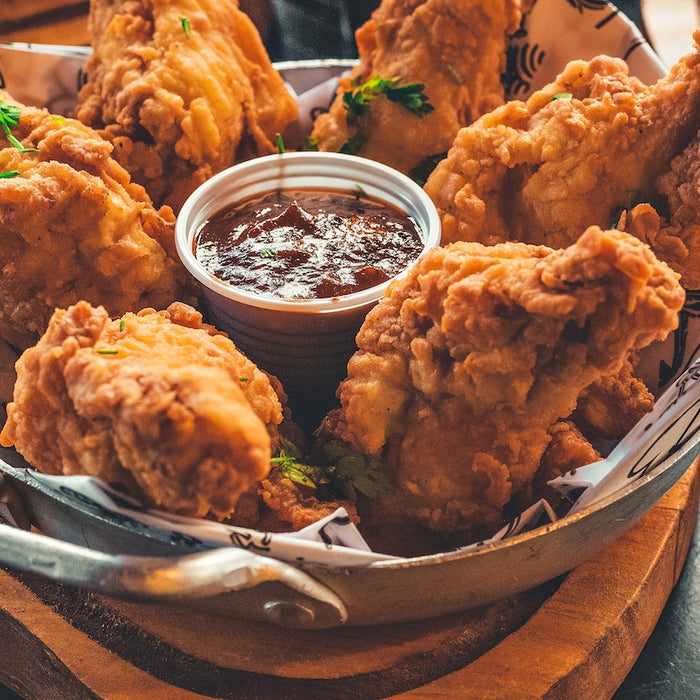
(307, 243)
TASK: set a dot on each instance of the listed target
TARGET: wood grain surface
(577, 636)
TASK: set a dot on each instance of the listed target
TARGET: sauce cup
(305, 343)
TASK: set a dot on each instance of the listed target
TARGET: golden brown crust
(76, 227)
(455, 49)
(541, 171)
(171, 411)
(468, 363)
(181, 105)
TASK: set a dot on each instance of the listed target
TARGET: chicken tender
(574, 154)
(184, 89)
(466, 368)
(74, 226)
(157, 402)
(455, 50)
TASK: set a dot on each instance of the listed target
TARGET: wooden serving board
(577, 636)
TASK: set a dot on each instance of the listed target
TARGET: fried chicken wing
(574, 154)
(455, 49)
(157, 402)
(467, 366)
(183, 89)
(675, 236)
(74, 226)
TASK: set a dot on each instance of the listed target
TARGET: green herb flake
(357, 472)
(267, 253)
(290, 466)
(107, 351)
(185, 26)
(279, 142)
(9, 174)
(242, 379)
(455, 74)
(58, 119)
(122, 323)
(562, 96)
(9, 117)
(344, 474)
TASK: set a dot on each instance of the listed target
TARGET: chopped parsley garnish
(346, 472)
(279, 142)
(122, 323)
(289, 463)
(267, 253)
(358, 100)
(107, 351)
(58, 119)
(7, 174)
(242, 379)
(561, 96)
(410, 96)
(185, 26)
(9, 117)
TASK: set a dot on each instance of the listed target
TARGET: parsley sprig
(358, 100)
(345, 474)
(186, 27)
(9, 117)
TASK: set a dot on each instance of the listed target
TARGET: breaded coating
(74, 226)
(613, 405)
(468, 364)
(184, 89)
(157, 402)
(456, 49)
(576, 153)
(676, 235)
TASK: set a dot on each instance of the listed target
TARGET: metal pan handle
(227, 580)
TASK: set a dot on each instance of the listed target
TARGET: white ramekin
(305, 343)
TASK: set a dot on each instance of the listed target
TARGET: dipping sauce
(307, 244)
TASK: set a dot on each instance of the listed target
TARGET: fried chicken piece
(676, 236)
(157, 402)
(183, 89)
(468, 363)
(456, 50)
(75, 227)
(610, 407)
(573, 155)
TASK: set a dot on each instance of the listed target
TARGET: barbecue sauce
(308, 243)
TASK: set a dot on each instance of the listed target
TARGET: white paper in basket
(555, 32)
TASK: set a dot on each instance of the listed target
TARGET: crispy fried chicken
(157, 402)
(74, 226)
(574, 154)
(466, 368)
(183, 89)
(456, 50)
